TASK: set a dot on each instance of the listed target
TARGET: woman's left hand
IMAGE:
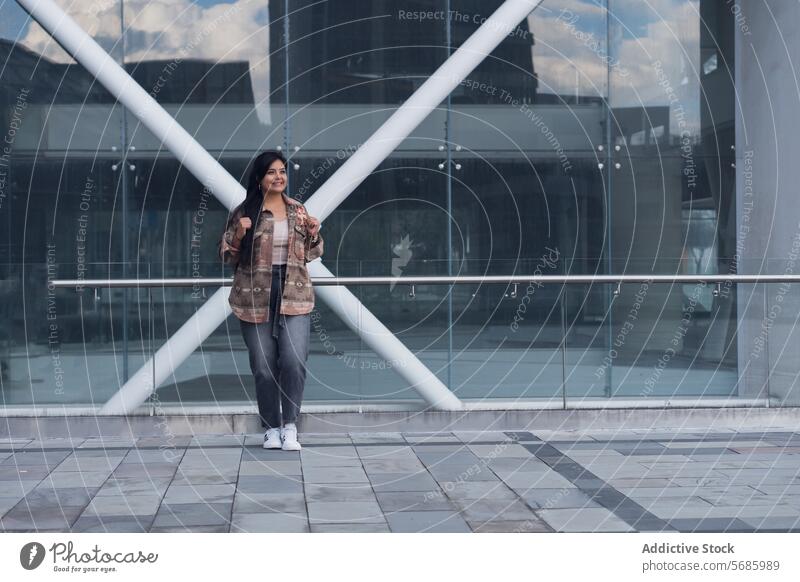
(313, 226)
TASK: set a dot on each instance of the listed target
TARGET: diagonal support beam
(208, 171)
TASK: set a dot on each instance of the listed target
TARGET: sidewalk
(538, 481)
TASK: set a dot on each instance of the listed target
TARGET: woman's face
(275, 178)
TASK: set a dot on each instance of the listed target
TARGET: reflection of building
(49, 82)
(181, 81)
(190, 81)
(509, 67)
(341, 64)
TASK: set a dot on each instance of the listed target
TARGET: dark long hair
(252, 204)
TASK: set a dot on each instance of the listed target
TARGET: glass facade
(597, 138)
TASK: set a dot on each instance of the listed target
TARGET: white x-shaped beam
(228, 190)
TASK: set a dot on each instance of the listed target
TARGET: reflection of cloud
(641, 33)
(565, 64)
(673, 38)
(170, 29)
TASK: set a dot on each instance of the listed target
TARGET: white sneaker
(289, 437)
(272, 438)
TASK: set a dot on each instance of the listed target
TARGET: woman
(269, 238)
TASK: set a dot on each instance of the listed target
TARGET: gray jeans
(278, 351)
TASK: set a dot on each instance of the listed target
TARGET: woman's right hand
(244, 224)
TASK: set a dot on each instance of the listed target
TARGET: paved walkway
(446, 482)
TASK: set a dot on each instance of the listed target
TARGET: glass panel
(60, 208)
(214, 66)
(507, 344)
(542, 89)
(771, 347)
(175, 227)
(672, 89)
(59, 346)
(394, 223)
(661, 341)
(419, 322)
(351, 64)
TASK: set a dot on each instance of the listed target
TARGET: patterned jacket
(249, 297)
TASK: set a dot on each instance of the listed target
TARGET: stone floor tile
(564, 498)
(392, 452)
(124, 505)
(46, 458)
(112, 524)
(40, 517)
(224, 528)
(593, 519)
(270, 522)
(14, 488)
(477, 490)
(483, 510)
(350, 527)
(527, 526)
(192, 514)
(154, 456)
(383, 482)
(374, 437)
(172, 442)
(339, 492)
(44, 495)
(321, 438)
(23, 473)
(76, 479)
(445, 437)
(500, 451)
(518, 464)
(269, 484)
(331, 454)
(260, 454)
(144, 470)
(392, 501)
(394, 466)
(227, 440)
(639, 483)
(460, 457)
(716, 524)
(345, 511)
(199, 478)
(199, 493)
(457, 473)
(134, 486)
(427, 521)
(107, 442)
(293, 468)
(526, 481)
(7, 503)
(312, 474)
(773, 522)
(80, 463)
(269, 503)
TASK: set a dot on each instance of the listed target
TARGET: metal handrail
(439, 280)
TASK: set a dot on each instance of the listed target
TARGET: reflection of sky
(13, 19)
(217, 31)
(641, 33)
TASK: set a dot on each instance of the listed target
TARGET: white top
(280, 241)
